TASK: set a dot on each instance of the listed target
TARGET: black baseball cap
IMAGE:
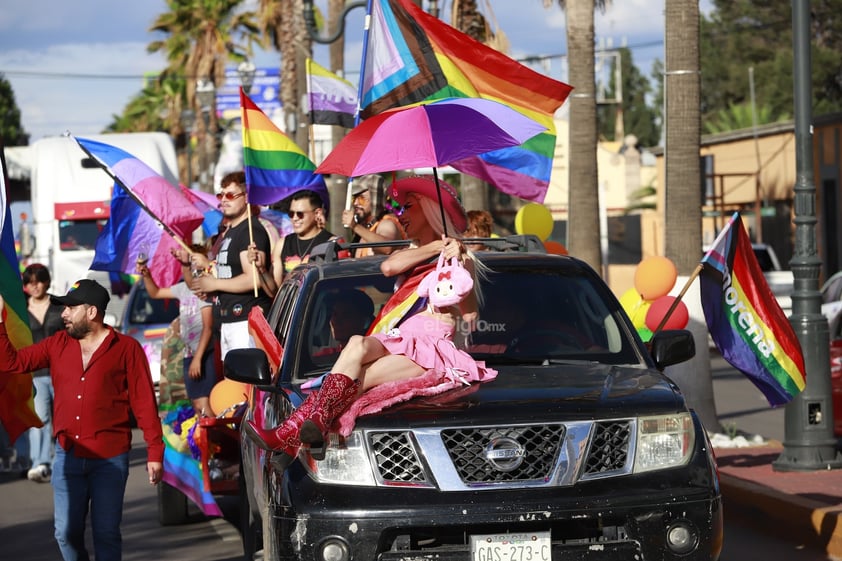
(85, 291)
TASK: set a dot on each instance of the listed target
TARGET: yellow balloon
(534, 218)
(635, 306)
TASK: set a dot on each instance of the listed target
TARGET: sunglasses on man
(299, 214)
(229, 196)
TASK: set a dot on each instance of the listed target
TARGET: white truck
(71, 198)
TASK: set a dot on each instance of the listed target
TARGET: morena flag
(744, 318)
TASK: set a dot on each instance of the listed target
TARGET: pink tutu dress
(428, 342)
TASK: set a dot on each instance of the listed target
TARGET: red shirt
(92, 406)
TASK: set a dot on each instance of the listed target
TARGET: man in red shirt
(100, 377)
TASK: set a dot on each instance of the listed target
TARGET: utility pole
(809, 443)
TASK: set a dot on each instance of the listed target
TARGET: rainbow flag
(745, 321)
(17, 410)
(403, 303)
(414, 57)
(132, 229)
(181, 470)
(275, 166)
(332, 100)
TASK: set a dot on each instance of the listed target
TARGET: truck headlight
(663, 441)
(346, 462)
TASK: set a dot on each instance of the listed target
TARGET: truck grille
(609, 449)
(509, 456)
(491, 455)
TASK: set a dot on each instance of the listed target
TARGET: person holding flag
(233, 287)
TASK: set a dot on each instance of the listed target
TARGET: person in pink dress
(425, 338)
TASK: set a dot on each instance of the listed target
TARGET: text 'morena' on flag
(744, 319)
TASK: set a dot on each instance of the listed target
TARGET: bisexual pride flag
(275, 166)
(744, 318)
(147, 212)
(412, 57)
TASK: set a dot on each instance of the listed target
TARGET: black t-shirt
(296, 250)
(231, 307)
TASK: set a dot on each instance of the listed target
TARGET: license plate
(530, 546)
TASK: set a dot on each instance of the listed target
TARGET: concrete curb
(802, 519)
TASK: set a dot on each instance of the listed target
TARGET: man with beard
(100, 377)
(232, 288)
(369, 220)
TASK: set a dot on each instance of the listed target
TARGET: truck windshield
(75, 235)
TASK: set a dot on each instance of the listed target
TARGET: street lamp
(205, 94)
(246, 71)
(187, 118)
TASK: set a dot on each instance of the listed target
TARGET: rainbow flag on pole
(414, 57)
(17, 412)
(745, 321)
(275, 166)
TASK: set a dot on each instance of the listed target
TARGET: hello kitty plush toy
(447, 284)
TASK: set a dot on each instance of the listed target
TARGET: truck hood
(553, 393)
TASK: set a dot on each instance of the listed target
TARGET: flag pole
(251, 242)
(678, 298)
(696, 272)
(366, 28)
(243, 127)
(137, 199)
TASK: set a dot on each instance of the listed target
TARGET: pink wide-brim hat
(425, 185)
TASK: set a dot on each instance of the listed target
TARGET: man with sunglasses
(306, 210)
(232, 288)
(369, 220)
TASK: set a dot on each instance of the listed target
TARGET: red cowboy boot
(337, 393)
(283, 439)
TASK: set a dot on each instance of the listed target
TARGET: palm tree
(282, 22)
(199, 42)
(682, 209)
(583, 238)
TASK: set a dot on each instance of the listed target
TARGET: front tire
(172, 505)
(249, 526)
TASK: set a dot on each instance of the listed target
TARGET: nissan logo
(504, 453)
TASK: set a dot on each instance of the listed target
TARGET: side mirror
(671, 347)
(250, 366)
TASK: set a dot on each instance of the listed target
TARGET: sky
(73, 65)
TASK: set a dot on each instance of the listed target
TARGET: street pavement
(805, 506)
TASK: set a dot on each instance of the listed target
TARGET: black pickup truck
(581, 448)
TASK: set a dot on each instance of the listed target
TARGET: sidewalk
(807, 505)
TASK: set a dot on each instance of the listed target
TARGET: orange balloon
(655, 277)
(227, 393)
(555, 248)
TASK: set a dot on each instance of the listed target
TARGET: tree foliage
(11, 129)
(757, 33)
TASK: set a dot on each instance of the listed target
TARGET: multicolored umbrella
(429, 135)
